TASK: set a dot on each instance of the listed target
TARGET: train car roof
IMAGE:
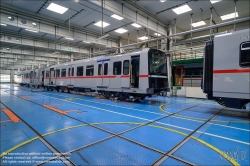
(98, 58)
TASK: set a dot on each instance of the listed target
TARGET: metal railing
(187, 55)
(192, 80)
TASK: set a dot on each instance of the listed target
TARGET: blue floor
(103, 132)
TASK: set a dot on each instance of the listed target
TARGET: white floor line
(159, 114)
(226, 138)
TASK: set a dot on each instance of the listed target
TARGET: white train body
(142, 73)
(227, 69)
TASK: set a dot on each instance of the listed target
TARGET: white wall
(194, 92)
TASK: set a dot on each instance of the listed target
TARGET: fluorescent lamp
(117, 17)
(121, 30)
(182, 9)
(99, 24)
(86, 42)
(31, 30)
(197, 24)
(229, 16)
(213, 1)
(143, 38)
(163, 0)
(57, 8)
(69, 38)
(136, 25)
(33, 23)
(3, 24)
(11, 18)
(157, 34)
(104, 36)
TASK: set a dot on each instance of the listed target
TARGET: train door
(51, 76)
(105, 80)
(125, 78)
(115, 81)
(134, 71)
(99, 79)
(178, 76)
(71, 73)
(31, 77)
(42, 79)
(102, 72)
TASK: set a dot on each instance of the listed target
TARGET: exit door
(178, 75)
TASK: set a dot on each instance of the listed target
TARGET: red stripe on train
(231, 71)
(123, 76)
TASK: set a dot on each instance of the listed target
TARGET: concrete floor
(83, 130)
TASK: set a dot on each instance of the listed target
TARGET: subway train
(226, 69)
(138, 74)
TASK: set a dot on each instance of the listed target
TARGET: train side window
(106, 69)
(117, 67)
(126, 67)
(57, 72)
(63, 73)
(245, 54)
(47, 74)
(79, 71)
(73, 70)
(90, 70)
(69, 71)
(99, 69)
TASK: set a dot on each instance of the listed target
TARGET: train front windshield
(157, 62)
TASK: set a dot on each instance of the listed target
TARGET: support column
(71, 57)
(169, 59)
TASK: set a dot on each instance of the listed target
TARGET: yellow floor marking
(133, 123)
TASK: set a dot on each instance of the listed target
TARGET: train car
(226, 69)
(139, 74)
(31, 78)
(20, 78)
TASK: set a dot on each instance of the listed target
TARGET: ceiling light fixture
(57, 8)
(104, 36)
(31, 30)
(3, 24)
(229, 16)
(157, 34)
(117, 17)
(143, 38)
(33, 23)
(8, 48)
(99, 24)
(197, 24)
(17, 39)
(11, 18)
(163, 0)
(136, 25)
(69, 38)
(182, 9)
(121, 30)
(86, 42)
(213, 1)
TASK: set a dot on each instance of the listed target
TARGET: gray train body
(139, 74)
(226, 69)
